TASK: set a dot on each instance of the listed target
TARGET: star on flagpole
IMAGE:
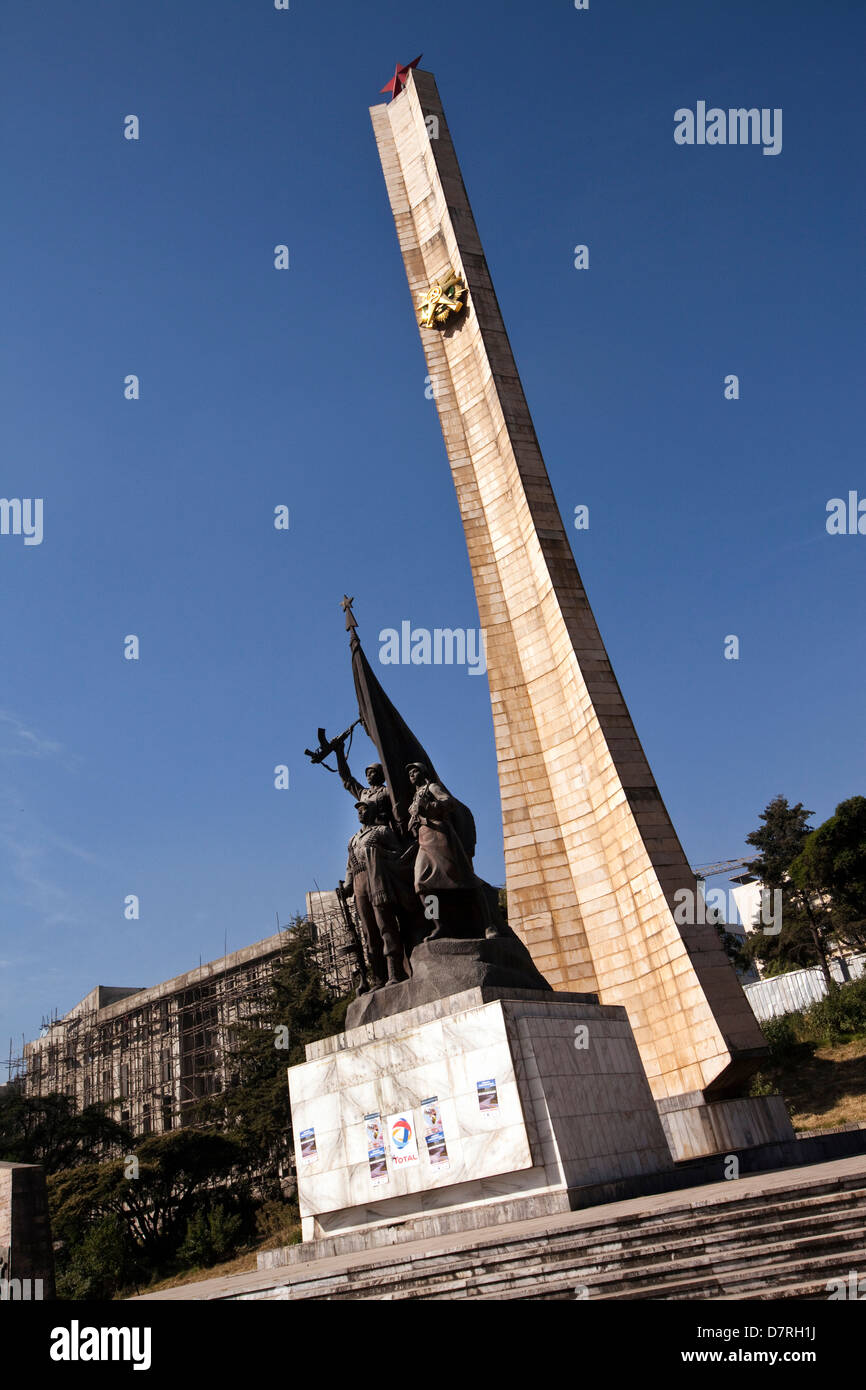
(398, 81)
(346, 605)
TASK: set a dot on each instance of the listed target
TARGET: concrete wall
(25, 1231)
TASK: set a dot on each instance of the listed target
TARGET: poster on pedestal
(404, 1145)
(488, 1100)
(308, 1145)
(434, 1133)
(376, 1149)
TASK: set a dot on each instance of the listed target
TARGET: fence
(787, 994)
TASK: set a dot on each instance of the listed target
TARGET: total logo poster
(402, 1141)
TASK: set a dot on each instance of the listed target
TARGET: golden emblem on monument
(444, 298)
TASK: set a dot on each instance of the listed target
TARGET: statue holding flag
(374, 880)
(420, 904)
(430, 832)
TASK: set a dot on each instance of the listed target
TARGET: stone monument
(593, 864)
(464, 1088)
(575, 1052)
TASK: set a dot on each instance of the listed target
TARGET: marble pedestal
(571, 1112)
(696, 1127)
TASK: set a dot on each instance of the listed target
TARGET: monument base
(489, 1096)
(696, 1127)
(447, 966)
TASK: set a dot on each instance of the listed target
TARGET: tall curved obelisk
(592, 859)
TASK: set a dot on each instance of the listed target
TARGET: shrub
(783, 1035)
(212, 1234)
(98, 1265)
(279, 1222)
(839, 1016)
(761, 1085)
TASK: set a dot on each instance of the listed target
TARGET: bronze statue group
(410, 860)
(412, 881)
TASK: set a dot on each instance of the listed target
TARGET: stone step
(703, 1231)
(416, 1229)
(802, 1269)
(803, 1279)
(798, 1273)
(731, 1213)
(620, 1266)
(843, 1211)
(810, 1291)
(542, 1284)
(764, 1236)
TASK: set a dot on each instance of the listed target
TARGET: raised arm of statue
(349, 782)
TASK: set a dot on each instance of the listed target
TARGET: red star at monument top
(398, 81)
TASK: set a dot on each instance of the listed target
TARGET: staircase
(786, 1242)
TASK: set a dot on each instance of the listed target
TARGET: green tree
(47, 1130)
(821, 875)
(831, 867)
(176, 1175)
(805, 936)
(779, 840)
(255, 1106)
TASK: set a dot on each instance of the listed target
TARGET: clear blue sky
(707, 517)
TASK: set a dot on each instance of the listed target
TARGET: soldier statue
(410, 862)
(444, 876)
(375, 792)
(374, 879)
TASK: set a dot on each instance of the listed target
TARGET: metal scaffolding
(153, 1055)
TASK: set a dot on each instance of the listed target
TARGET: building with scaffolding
(153, 1053)
(336, 939)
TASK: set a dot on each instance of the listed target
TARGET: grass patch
(277, 1226)
(818, 1061)
(239, 1265)
(824, 1087)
